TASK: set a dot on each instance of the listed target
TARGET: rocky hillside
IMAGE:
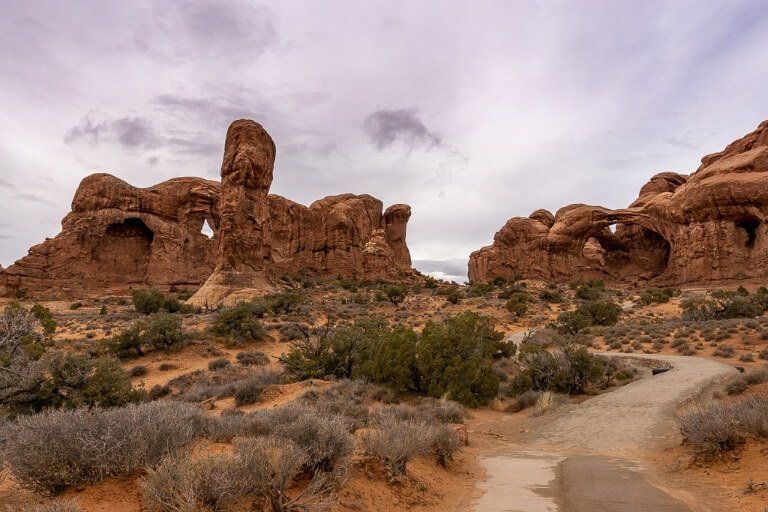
(681, 229)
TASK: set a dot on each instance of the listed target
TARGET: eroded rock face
(681, 229)
(118, 236)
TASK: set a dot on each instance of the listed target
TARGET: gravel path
(589, 458)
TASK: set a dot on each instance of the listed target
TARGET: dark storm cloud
(385, 127)
(128, 132)
(189, 30)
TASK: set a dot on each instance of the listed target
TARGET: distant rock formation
(681, 229)
(118, 236)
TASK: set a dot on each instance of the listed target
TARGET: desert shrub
(325, 440)
(718, 427)
(22, 374)
(598, 312)
(722, 307)
(51, 451)
(656, 296)
(252, 358)
(736, 386)
(746, 358)
(330, 402)
(219, 363)
(568, 370)
(444, 443)
(725, 351)
(396, 293)
(552, 295)
(171, 305)
(138, 371)
(589, 290)
(206, 481)
(290, 331)
(78, 379)
(310, 356)
(249, 390)
(391, 359)
(442, 411)
(756, 376)
(283, 303)
(763, 354)
(45, 317)
(240, 322)
(454, 295)
(454, 359)
(480, 289)
(525, 400)
(517, 304)
(395, 443)
(285, 463)
(571, 322)
(162, 331)
(148, 301)
(601, 312)
(229, 425)
(103, 311)
(75, 306)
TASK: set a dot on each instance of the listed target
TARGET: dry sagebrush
(50, 451)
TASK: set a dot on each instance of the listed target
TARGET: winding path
(590, 458)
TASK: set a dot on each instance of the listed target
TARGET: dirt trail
(591, 457)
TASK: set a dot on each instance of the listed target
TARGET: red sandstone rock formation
(118, 236)
(681, 229)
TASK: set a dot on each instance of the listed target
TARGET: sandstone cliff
(118, 236)
(681, 229)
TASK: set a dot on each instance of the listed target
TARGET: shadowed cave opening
(631, 249)
(749, 227)
(124, 251)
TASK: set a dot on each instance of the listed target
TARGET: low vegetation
(161, 331)
(718, 427)
(452, 358)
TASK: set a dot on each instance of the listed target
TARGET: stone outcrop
(118, 236)
(681, 229)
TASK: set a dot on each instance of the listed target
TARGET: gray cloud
(452, 266)
(521, 105)
(128, 132)
(35, 198)
(385, 127)
(202, 29)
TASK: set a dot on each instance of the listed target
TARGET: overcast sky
(470, 111)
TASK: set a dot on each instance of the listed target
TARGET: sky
(472, 112)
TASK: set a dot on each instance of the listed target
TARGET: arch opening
(124, 252)
(749, 229)
(629, 248)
